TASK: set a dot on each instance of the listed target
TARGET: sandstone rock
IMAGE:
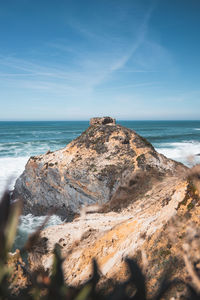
(91, 169)
(110, 237)
(19, 278)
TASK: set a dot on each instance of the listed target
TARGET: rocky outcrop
(155, 225)
(91, 169)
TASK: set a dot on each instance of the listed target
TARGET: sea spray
(28, 224)
(185, 152)
(11, 168)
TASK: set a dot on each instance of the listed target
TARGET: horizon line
(88, 120)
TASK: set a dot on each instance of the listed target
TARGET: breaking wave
(186, 152)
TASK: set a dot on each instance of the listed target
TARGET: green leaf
(11, 226)
(84, 293)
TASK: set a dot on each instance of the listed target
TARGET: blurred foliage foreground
(41, 285)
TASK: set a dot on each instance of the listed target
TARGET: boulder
(91, 169)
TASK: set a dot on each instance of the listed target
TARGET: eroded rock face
(90, 169)
(111, 237)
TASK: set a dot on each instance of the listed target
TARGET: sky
(76, 59)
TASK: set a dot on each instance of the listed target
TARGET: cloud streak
(83, 69)
(92, 68)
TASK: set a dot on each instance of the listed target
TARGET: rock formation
(92, 169)
(155, 225)
(148, 201)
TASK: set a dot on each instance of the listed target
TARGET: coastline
(150, 192)
(18, 143)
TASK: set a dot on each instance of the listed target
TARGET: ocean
(179, 140)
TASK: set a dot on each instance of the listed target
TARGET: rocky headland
(128, 199)
(91, 169)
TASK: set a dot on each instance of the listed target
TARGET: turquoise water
(19, 140)
(179, 140)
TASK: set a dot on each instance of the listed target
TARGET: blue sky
(71, 60)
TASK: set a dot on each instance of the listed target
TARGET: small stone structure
(102, 121)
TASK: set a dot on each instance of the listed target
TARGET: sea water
(179, 140)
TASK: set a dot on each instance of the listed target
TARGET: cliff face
(160, 231)
(111, 237)
(91, 169)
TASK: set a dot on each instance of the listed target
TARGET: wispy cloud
(81, 70)
(119, 49)
(128, 86)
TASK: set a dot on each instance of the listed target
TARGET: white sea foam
(26, 149)
(10, 169)
(28, 224)
(196, 128)
(185, 152)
